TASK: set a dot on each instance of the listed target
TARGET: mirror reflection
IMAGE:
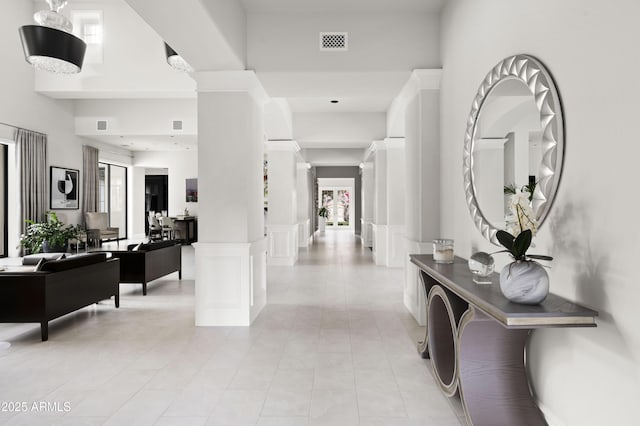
(507, 148)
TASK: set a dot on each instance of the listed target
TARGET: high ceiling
(340, 6)
(387, 40)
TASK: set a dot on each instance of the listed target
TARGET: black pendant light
(176, 61)
(51, 46)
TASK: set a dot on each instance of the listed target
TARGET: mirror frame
(537, 78)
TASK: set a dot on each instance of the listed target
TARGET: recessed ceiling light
(334, 101)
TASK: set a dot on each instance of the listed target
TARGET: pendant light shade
(52, 50)
(176, 61)
(51, 46)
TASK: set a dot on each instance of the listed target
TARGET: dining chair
(155, 229)
(169, 228)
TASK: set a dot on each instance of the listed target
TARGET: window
(92, 33)
(88, 25)
(4, 221)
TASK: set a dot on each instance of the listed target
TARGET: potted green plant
(523, 280)
(323, 213)
(49, 236)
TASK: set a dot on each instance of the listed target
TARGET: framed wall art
(63, 192)
(192, 190)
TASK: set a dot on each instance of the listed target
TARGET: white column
(230, 255)
(304, 201)
(422, 171)
(396, 188)
(367, 203)
(379, 227)
(282, 219)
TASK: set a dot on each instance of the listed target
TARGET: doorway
(113, 195)
(337, 198)
(156, 195)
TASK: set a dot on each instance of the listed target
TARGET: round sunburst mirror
(514, 140)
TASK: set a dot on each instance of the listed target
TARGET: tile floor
(334, 346)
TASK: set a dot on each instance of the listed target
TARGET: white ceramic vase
(321, 224)
(525, 282)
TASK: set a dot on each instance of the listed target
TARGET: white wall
(341, 130)
(291, 42)
(581, 376)
(278, 120)
(333, 157)
(136, 116)
(303, 176)
(182, 165)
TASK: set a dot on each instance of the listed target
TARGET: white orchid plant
(521, 228)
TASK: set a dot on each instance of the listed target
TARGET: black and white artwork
(64, 188)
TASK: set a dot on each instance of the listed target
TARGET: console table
(188, 224)
(476, 341)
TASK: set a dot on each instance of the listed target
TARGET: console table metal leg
(493, 378)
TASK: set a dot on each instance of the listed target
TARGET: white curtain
(31, 150)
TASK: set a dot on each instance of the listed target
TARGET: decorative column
(396, 188)
(379, 226)
(303, 182)
(421, 104)
(367, 203)
(282, 219)
(230, 256)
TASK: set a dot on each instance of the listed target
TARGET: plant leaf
(510, 189)
(540, 257)
(501, 251)
(522, 243)
(506, 239)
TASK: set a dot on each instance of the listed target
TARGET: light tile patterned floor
(334, 346)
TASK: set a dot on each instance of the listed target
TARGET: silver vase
(525, 282)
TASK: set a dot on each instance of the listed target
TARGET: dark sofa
(149, 262)
(60, 287)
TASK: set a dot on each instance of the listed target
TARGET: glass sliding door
(113, 195)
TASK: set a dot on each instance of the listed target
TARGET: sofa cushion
(160, 244)
(73, 262)
(134, 247)
(151, 245)
(33, 259)
(40, 264)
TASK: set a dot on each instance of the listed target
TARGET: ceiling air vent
(177, 125)
(101, 125)
(334, 41)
